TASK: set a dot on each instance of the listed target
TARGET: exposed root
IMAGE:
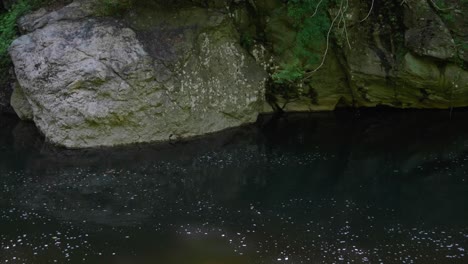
(341, 18)
(370, 11)
(435, 6)
(316, 8)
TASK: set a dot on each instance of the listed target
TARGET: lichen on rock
(96, 82)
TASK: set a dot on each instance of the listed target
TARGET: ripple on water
(242, 203)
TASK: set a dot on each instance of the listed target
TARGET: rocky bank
(168, 71)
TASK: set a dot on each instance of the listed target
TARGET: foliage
(8, 32)
(310, 19)
(444, 10)
(246, 40)
(113, 7)
(288, 73)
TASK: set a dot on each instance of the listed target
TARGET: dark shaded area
(362, 186)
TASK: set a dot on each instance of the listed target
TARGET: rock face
(405, 54)
(165, 70)
(96, 82)
(20, 104)
(410, 63)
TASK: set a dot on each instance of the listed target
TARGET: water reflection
(374, 187)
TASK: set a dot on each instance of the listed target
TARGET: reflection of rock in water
(5, 94)
(7, 122)
(127, 185)
(118, 197)
(301, 155)
(26, 137)
(295, 187)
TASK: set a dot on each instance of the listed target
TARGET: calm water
(363, 187)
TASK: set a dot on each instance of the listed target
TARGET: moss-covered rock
(403, 55)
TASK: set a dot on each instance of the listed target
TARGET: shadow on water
(363, 186)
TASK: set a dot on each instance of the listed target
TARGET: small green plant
(8, 32)
(246, 41)
(113, 7)
(311, 21)
(289, 73)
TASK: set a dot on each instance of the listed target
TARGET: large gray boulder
(96, 82)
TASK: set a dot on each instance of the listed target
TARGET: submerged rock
(96, 82)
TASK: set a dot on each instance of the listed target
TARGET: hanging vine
(316, 21)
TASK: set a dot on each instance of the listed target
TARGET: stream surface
(360, 187)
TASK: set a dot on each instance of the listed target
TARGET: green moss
(8, 32)
(113, 7)
(289, 73)
(246, 40)
(311, 23)
(448, 17)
